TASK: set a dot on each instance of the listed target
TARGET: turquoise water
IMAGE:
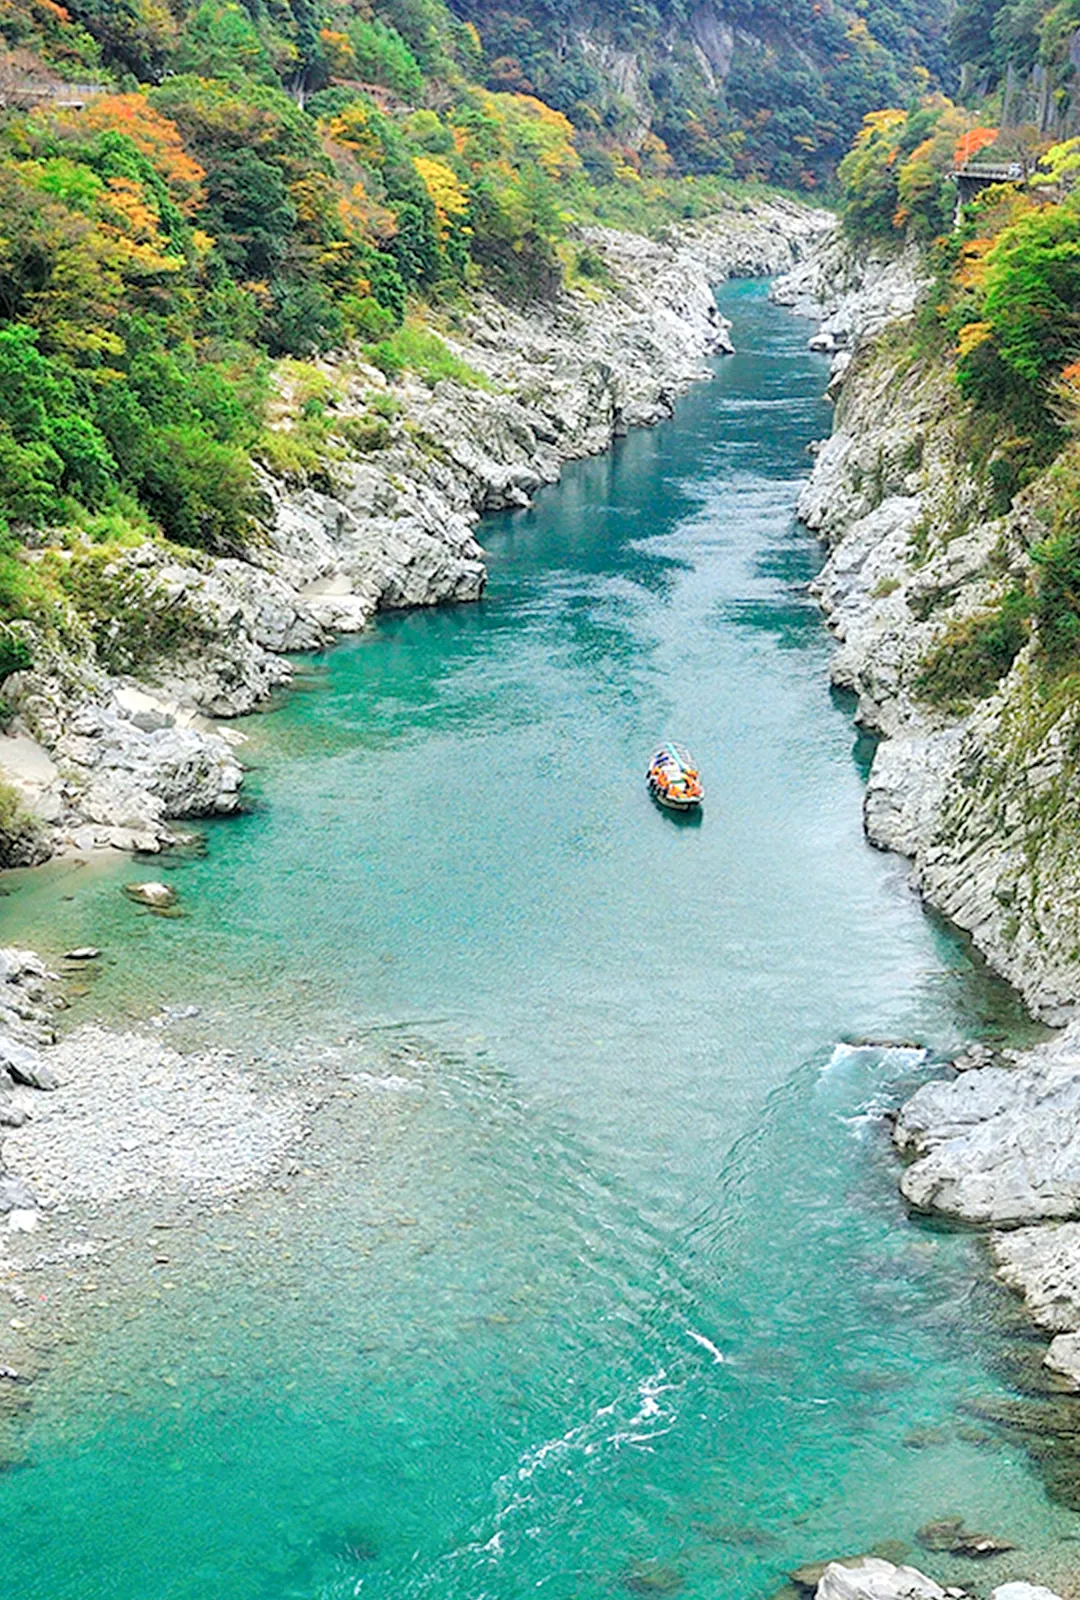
(615, 1294)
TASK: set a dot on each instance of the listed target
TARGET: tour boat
(673, 780)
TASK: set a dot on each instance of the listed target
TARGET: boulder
(875, 1579)
(975, 1057)
(1063, 1357)
(947, 1109)
(15, 1195)
(999, 1145)
(23, 1063)
(158, 896)
(1043, 1265)
(16, 965)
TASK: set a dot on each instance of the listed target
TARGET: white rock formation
(978, 794)
(1000, 1145)
(875, 1579)
(1063, 1358)
(1043, 1265)
(853, 295)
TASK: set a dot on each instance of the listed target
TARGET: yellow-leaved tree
(448, 193)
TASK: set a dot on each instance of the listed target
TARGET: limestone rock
(853, 295)
(1043, 1265)
(158, 896)
(24, 1064)
(1063, 1357)
(947, 1109)
(875, 1579)
(15, 1195)
(908, 781)
(999, 1146)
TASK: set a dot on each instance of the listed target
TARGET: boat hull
(671, 803)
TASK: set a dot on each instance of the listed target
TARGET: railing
(29, 92)
(986, 172)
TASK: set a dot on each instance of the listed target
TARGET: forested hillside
(758, 88)
(1001, 319)
(225, 187)
(193, 192)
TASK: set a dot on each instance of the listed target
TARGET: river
(617, 1295)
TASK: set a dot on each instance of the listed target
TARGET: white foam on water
(621, 1438)
(869, 1117)
(719, 1358)
(649, 1391)
(898, 1056)
(533, 1460)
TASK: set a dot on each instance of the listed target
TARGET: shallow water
(622, 1295)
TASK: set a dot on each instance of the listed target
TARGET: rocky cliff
(110, 760)
(978, 792)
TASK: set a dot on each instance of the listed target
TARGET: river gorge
(589, 1274)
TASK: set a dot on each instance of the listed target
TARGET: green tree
(1031, 296)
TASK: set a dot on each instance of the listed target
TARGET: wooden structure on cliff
(975, 176)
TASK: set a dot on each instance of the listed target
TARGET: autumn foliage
(971, 142)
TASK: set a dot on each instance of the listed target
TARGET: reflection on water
(597, 1281)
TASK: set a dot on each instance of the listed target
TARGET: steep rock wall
(985, 800)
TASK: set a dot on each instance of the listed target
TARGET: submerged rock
(158, 896)
(925, 1438)
(951, 1537)
(651, 1577)
(734, 1534)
